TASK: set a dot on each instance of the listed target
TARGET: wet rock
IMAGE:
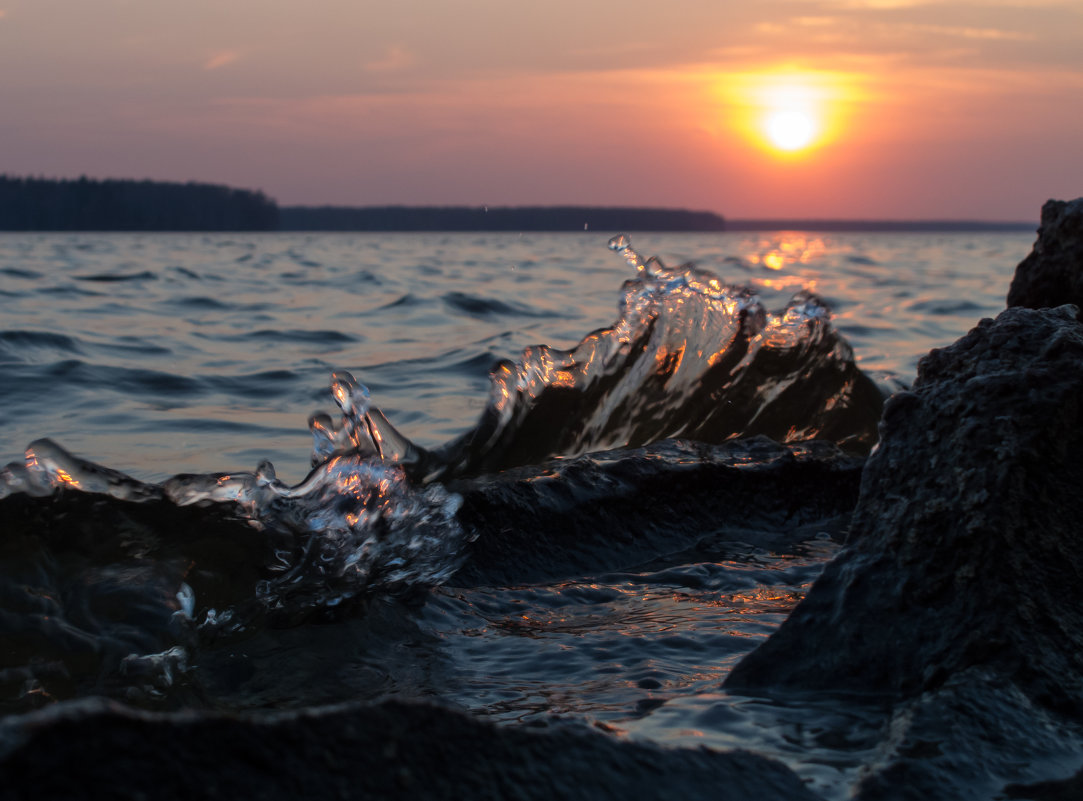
(391, 750)
(964, 554)
(612, 511)
(1052, 274)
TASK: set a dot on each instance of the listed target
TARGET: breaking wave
(688, 357)
(214, 555)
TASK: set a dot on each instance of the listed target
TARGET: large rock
(965, 550)
(1052, 274)
(97, 749)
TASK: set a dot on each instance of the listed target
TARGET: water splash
(689, 356)
(356, 525)
(48, 467)
(362, 429)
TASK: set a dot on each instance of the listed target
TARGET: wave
(213, 555)
(116, 586)
(688, 357)
(110, 583)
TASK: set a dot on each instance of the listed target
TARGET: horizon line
(732, 223)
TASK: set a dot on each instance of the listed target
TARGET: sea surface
(205, 354)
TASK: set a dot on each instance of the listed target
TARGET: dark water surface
(157, 355)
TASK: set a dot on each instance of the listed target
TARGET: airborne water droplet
(619, 242)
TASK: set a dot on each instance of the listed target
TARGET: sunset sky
(893, 108)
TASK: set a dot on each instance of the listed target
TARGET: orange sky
(921, 109)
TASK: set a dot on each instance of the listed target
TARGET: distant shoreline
(83, 204)
(392, 219)
(496, 218)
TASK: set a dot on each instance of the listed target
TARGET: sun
(788, 112)
(789, 129)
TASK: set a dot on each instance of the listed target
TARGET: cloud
(887, 5)
(973, 33)
(221, 59)
(815, 22)
(882, 5)
(395, 58)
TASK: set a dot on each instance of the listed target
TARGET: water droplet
(619, 242)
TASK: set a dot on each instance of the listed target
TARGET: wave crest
(689, 356)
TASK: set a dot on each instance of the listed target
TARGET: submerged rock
(390, 750)
(964, 550)
(1052, 274)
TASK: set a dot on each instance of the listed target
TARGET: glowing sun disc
(789, 130)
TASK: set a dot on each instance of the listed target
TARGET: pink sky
(923, 109)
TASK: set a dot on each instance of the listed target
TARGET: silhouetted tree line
(84, 204)
(480, 218)
(42, 204)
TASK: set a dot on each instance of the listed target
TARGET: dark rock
(972, 739)
(965, 549)
(97, 749)
(1066, 790)
(612, 511)
(1052, 274)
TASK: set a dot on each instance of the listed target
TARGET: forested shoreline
(85, 204)
(502, 218)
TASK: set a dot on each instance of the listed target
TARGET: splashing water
(688, 356)
(354, 526)
(363, 430)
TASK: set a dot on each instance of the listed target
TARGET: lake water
(157, 355)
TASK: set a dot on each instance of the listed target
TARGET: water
(158, 355)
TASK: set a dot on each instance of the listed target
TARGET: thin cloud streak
(395, 59)
(223, 59)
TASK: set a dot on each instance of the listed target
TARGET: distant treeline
(83, 204)
(482, 218)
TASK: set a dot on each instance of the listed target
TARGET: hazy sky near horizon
(913, 108)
